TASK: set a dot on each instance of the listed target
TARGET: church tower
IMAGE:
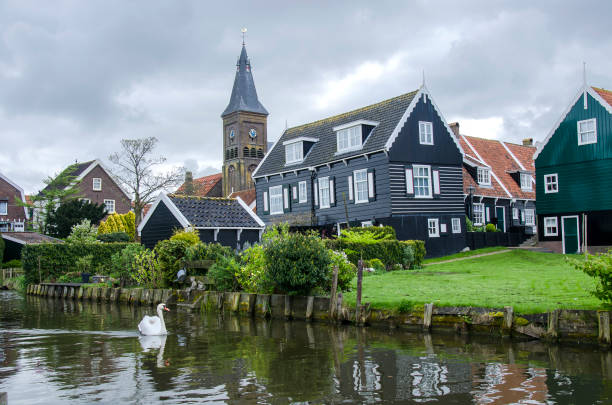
(245, 132)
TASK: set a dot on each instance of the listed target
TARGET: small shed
(14, 242)
(228, 221)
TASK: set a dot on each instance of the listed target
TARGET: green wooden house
(574, 176)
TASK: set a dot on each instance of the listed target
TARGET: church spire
(244, 94)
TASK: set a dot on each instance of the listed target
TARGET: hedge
(390, 252)
(59, 258)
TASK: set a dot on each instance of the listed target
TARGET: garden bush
(346, 271)
(113, 237)
(376, 264)
(599, 267)
(170, 256)
(123, 263)
(12, 264)
(83, 232)
(119, 223)
(191, 236)
(147, 270)
(223, 274)
(298, 263)
(369, 233)
(252, 274)
(390, 252)
(491, 228)
(59, 258)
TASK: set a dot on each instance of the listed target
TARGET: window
(484, 176)
(478, 214)
(110, 206)
(422, 181)
(3, 207)
(551, 183)
(97, 184)
(303, 196)
(324, 192)
(550, 226)
(425, 133)
(294, 152)
(432, 228)
(18, 227)
(276, 200)
(361, 185)
(526, 181)
(587, 132)
(515, 213)
(529, 217)
(87, 200)
(365, 224)
(456, 223)
(349, 139)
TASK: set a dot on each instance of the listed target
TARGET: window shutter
(266, 203)
(294, 193)
(371, 185)
(286, 198)
(332, 191)
(316, 194)
(522, 216)
(409, 182)
(350, 188)
(488, 214)
(436, 182)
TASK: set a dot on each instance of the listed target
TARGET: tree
(135, 169)
(83, 232)
(72, 212)
(118, 223)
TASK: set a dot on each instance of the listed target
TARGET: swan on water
(154, 325)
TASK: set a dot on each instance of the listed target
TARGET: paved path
(469, 257)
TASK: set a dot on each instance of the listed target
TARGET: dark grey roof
(73, 170)
(209, 212)
(29, 238)
(244, 95)
(388, 113)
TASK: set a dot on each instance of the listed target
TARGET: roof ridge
(195, 197)
(333, 117)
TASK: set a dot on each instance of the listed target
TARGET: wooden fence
(479, 240)
(10, 273)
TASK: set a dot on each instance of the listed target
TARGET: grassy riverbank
(531, 282)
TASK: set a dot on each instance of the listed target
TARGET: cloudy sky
(78, 76)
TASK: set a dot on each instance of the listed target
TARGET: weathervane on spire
(243, 30)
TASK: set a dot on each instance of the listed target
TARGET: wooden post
(287, 307)
(553, 324)
(604, 327)
(333, 298)
(427, 313)
(359, 288)
(508, 315)
(309, 307)
(339, 309)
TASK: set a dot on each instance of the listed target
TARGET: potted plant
(83, 265)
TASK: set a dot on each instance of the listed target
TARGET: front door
(570, 235)
(500, 214)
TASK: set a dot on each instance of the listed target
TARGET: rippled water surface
(56, 351)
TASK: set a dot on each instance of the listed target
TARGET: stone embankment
(568, 326)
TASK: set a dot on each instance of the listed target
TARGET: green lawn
(465, 254)
(531, 282)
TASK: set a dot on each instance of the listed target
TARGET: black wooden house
(394, 163)
(228, 221)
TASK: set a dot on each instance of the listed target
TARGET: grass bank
(531, 282)
(469, 253)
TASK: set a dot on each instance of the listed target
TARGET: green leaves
(599, 267)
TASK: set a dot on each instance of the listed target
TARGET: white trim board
(512, 155)
(173, 209)
(251, 213)
(563, 231)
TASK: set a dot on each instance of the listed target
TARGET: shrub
(369, 233)
(346, 271)
(123, 262)
(390, 252)
(113, 237)
(297, 263)
(223, 274)
(191, 236)
(252, 275)
(147, 270)
(84, 264)
(170, 256)
(469, 225)
(491, 228)
(408, 256)
(125, 223)
(12, 264)
(83, 232)
(376, 264)
(599, 267)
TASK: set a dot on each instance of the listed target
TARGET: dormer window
(296, 149)
(587, 132)
(352, 136)
(526, 182)
(484, 176)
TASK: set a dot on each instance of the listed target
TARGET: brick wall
(110, 190)
(8, 193)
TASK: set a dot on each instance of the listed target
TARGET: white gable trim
(173, 209)
(301, 139)
(354, 124)
(251, 213)
(490, 169)
(501, 184)
(23, 199)
(92, 166)
(584, 89)
(513, 157)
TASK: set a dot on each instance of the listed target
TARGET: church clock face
(253, 133)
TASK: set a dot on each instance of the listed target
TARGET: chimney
(455, 127)
(528, 142)
(188, 189)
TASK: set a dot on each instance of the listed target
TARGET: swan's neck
(160, 313)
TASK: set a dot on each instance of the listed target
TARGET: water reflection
(57, 351)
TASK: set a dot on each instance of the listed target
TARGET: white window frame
(551, 181)
(525, 181)
(515, 213)
(481, 213)
(107, 203)
(302, 192)
(4, 204)
(294, 153)
(324, 199)
(363, 181)
(547, 225)
(426, 133)
(276, 200)
(456, 225)
(18, 226)
(529, 217)
(365, 224)
(580, 133)
(484, 176)
(433, 227)
(349, 139)
(96, 184)
(416, 175)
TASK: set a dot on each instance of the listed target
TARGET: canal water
(55, 352)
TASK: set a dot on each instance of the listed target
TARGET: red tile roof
(202, 185)
(503, 164)
(248, 196)
(605, 94)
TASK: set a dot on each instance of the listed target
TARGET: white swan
(154, 325)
